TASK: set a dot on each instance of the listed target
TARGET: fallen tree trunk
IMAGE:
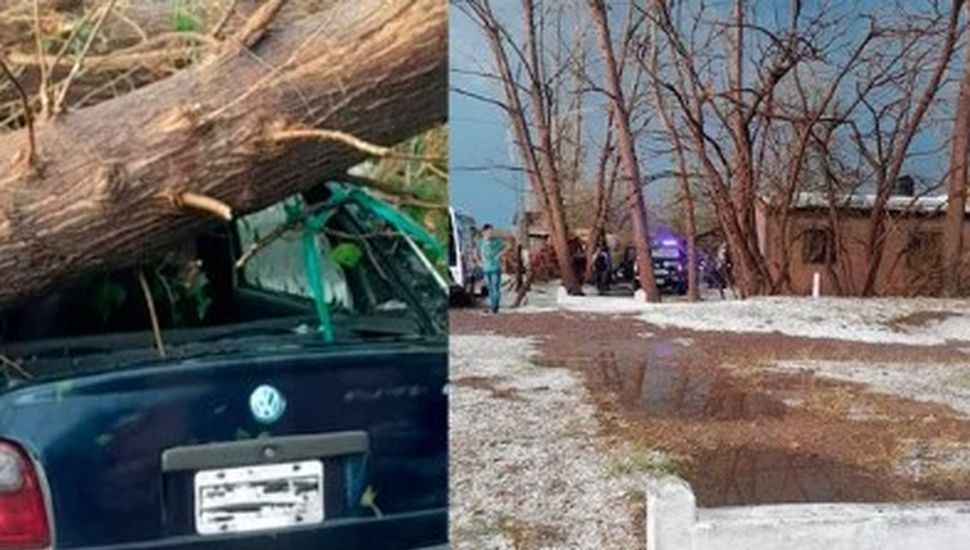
(103, 192)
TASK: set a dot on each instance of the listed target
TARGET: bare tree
(728, 178)
(679, 150)
(753, 132)
(893, 146)
(627, 153)
(604, 184)
(532, 126)
(953, 262)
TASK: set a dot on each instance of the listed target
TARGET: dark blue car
(284, 413)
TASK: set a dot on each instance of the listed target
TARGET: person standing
(490, 251)
(602, 265)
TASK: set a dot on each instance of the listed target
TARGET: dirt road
(763, 417)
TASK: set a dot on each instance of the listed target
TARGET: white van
(466, 280)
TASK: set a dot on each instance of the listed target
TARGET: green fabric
(312, 262)
(313, 257)
(490, 250)
(386, 212)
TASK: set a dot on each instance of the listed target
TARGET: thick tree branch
(375, 69)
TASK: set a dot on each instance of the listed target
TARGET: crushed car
(290, 395)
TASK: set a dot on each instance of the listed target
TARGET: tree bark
(957, 189)
(548, 166)
(743, 189)
(604, 199)
(628, 155)
(536, 150)
(693, 283)
(99, 196)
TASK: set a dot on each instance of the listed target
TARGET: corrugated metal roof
(927, 204)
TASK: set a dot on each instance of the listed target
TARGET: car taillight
(23, 515)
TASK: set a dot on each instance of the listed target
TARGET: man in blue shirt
(490, 251)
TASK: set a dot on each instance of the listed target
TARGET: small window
(818, 246)
(924, 250)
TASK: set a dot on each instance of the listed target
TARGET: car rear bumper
(427, 530)
(670, 281)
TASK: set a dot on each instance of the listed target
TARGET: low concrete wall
(675, 523)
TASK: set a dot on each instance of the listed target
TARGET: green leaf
(185, 23)
(182, 20)
(426, 189)
(197, 294)
(369, 500)
(108, 297)
(63, 388)
(346, 254)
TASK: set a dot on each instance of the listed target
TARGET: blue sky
(480, 137)
(478, 134)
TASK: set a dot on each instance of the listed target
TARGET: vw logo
(267, 404)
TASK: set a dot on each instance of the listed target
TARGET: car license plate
(256, 498)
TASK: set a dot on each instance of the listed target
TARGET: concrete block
(671, 514)
(561, 295)
(674, 523)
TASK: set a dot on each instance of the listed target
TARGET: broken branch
(253, 29)
(203, 203)
(15, 366)
(351, 141)
(389, 192)
(55, 108)
(39, 46)
(226, 16)
(156, 330)
(403, 41)
(32, 158)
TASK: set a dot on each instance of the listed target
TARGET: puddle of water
(675, 391)
(659, 387)
(684, 385)
(745, 475)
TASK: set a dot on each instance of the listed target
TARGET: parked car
(284, 414)
(669, 266)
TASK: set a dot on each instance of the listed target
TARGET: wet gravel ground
(944, 383)
(742, 430)
(530, 464)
